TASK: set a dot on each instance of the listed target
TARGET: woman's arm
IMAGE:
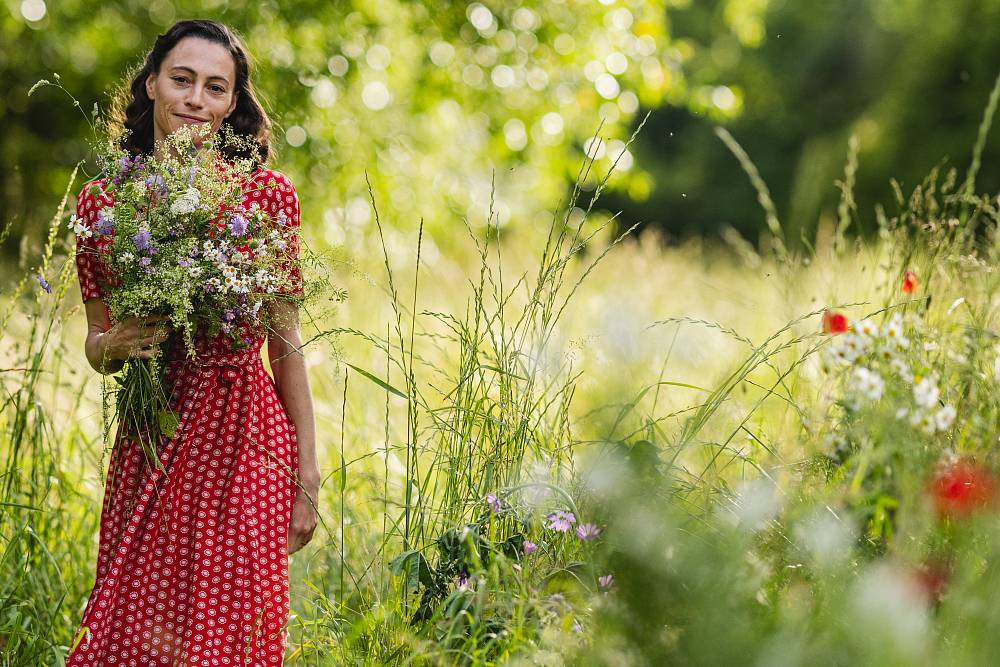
(288, 364)
(107, 347)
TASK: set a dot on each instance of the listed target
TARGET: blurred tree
(425, 98)
(910, 79)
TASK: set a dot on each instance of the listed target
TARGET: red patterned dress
(192, 566)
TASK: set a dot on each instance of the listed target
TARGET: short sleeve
(89, 265)
(282, 202)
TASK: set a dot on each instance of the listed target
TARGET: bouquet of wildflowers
(182, 245)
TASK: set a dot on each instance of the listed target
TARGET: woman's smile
(191, 119)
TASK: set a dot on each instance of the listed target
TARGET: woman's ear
(150, 85)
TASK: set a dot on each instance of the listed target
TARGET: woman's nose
(195, 96)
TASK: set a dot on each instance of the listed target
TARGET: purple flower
(184, 263)
(606, 581)
(561, 521)
(238, 225)
(587, 532)
(105, 223)
(228, 315)
(529, 547)
(226, 327)
(144, 261)
(282, 218)
(156, 183)
(462, 581)
(192, 174)
(142, 239)
(494, 503)
(127, 164)
(45, 285)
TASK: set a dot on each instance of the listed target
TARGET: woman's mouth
(190, 119)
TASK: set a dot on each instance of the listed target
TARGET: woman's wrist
(100, 360)
(309, 476)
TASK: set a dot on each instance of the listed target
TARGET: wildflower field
(550, 435)
(575, 446)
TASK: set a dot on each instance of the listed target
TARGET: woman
(192, 566)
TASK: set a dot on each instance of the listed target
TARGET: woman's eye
(218, 89)
(179, 79)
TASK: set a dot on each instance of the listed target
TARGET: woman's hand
(304, 516)
(134, 338)
(108, 346)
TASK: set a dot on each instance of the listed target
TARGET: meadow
(573, 445)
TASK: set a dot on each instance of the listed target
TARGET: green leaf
(381, 383)
(414, 568)
(168, 422)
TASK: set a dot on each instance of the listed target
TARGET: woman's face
(196, 84)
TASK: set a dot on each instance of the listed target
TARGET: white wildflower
(79, 228)
(868, 383)
(186, 203)
(894, 332)
(944, 418)
(900, 368)
(955, 304)
(866, 328)
(926, 392)
(182, 206)
(126, 257)
(923, 421)
(848, 347)
(194, 271)
(262, 278)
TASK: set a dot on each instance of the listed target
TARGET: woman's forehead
(202, 57)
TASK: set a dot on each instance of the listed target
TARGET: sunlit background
(432, 101)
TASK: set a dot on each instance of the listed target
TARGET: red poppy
(909, 282)
(962, 488)
(834, 323)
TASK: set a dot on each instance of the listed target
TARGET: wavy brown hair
(132, 111)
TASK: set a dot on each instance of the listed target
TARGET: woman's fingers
(298, 538)
(155, 339)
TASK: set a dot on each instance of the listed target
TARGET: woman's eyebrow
(188, 69)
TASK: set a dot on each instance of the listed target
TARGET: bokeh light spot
(295, 135)
(375, 95)
(33, 10)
